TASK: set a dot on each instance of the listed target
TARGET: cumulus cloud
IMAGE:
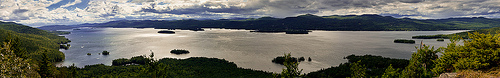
(47, 12)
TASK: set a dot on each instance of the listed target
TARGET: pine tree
(357, 70)
(13, 66)
(390, 72)
(481, 51)
(46, 66)
(291, 70)
(421, 62)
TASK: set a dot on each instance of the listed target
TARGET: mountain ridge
(366, 22)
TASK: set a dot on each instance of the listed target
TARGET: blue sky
(67, 12)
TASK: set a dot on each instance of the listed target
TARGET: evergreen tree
(390, 72)
(13, 66)
(46, 68)
(420, 63)
(481, 51)
(357, 70)
(291, 70)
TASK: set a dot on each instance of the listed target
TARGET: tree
(421, 62)
(13, 66)
(46, 68)
(480, 51)
(357, 70)
(390, 72)
(292, 68)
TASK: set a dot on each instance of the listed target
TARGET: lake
(246, 49)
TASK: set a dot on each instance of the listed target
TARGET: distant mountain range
(365, 22)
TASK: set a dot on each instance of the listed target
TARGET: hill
(494, 30)
(31, 42)
(365, 22)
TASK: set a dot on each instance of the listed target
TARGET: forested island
(166, 32)
(465, 35)
(179, 51)
(404, 41)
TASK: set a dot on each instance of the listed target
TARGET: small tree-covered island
(179, 51)
(404, 41)
(31, 53)
(166, 32)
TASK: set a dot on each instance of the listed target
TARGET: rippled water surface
(246, 49)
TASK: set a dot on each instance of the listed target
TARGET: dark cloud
(355, 3)
(18, 11)
(199, 9)
(411, 1)
(140, 1)
(107, 15)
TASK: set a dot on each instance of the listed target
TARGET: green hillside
(31, 42)
(494, 30)
(365, 22)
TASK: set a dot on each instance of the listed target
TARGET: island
(281, 31)
(269, 31)
(166, 32)
(440, 39)
(297, 32)
(404, 41)
(179, 51)
(105, 53)
(281, 59)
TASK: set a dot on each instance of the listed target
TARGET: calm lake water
(246, 49)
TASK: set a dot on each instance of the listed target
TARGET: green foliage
(68, 72)
(404, 41)
(292, 68)
(46, 67)
(478, 52)
(440, 39)
(13, 66)
(31, 42)
(282, 59)
(301, 59)
(357, 70)
(120, 61)
(464, 35)
(431, 36)
(390, 72)
(194, 67)
(376, 64)
(63, 46)
(142, 60)
(179, 51)
(421, 63)
(105, 53)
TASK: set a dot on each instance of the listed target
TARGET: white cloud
(72, 3)
(35, 13)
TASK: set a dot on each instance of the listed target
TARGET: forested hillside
(464, 35)
(31, 42)
(310, 22)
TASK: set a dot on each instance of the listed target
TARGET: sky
(70, 12)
